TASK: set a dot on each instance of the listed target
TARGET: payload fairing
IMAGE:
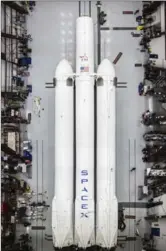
(82, 216)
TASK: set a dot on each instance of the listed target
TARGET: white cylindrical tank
(107, 208)
(62, 204)
(84, 203)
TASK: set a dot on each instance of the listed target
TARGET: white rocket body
(107, 206)
(84, 203)
(82, 221)
(62, 204)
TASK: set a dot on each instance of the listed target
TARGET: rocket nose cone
(107, 68)
(63, 68)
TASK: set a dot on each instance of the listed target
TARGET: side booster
(81, 220)
(62, 204)
(107, 206)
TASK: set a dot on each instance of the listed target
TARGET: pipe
(11, 17)
(74, 153)
(98, 33)
(165, 27)
(84, 10)
(90, 11)
(79, 6)
(5, 53)
(95, 152)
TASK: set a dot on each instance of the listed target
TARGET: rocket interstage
(79, 218)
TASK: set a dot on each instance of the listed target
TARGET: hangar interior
(35, 36)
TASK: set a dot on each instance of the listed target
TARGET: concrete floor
(52, 26)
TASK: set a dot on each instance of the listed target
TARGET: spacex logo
(84, 192)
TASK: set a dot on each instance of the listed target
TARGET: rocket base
(62, 227)
(92, 248)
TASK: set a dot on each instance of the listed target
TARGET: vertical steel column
(90, 11)
(74, 153)
(84, 9)
(5, 52)
(95, 153)
(42, 239)
(129, 149)
(79, 6)
(135, 183)
(37, 187)
(98, 33)
(11, 68)
(16, 45)
(165, 27)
